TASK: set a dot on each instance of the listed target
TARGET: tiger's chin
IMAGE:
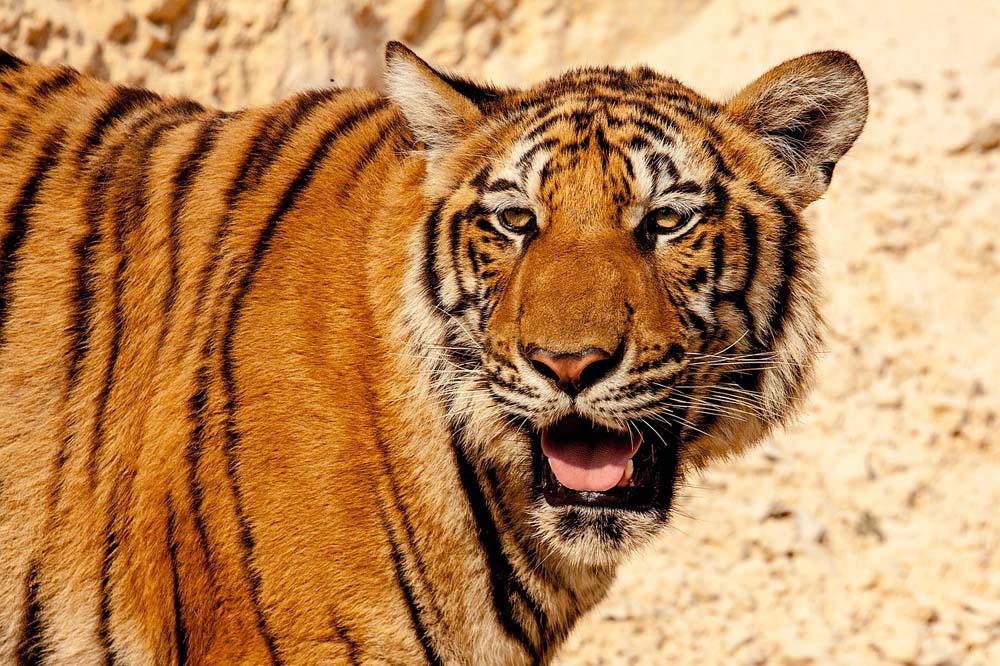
(600, 493)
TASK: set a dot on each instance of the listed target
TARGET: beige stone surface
(885, 544)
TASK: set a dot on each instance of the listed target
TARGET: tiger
(390, 377)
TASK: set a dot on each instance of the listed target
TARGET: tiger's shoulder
(148, 245)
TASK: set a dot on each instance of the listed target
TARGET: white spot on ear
(430, 118)
(438, 114)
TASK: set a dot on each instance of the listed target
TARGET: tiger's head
(612, 285)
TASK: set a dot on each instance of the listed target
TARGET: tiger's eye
(518, 220)
(664, 221)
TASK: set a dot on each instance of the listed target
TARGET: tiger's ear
(440, 109)
(808, 111)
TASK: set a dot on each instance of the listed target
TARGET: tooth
(626, 475)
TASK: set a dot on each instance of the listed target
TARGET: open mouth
(580, 463)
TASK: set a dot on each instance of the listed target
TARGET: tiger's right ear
(440, 109)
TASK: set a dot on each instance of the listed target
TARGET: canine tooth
(626, 475)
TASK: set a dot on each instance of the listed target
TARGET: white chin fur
(591, 542)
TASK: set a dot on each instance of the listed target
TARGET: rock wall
(866, 533)
(242, 53)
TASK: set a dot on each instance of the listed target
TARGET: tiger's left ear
(808, 111)
(440, 109)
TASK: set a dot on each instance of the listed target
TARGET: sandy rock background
(868, 533)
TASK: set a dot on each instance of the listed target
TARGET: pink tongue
(588, 460)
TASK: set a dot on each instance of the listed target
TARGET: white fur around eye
(498, 201)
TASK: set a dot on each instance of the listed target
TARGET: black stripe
(353, 649)
(524, 161)
(385, 134)
(543, 126)
(750, 238)
(30, 647)
(81, 328)
(549, 169)
(431, 276)
(419, 629)
(430, 654)
(696, 245)
(478, 181)
(739, 296)
(63, 78)
(527, 543)
(719, 207)
(653, 130)
(195, 448)
(605, 148)
(388, 133)
(411, 540)
(183, 180)
(720, 163)
(683, 187)
(653, 114)
(789, 245)
(83, 323)
(19, 217)
(528, 551)
(495, 236)
(121, 103)
(261, 247)
(639, 142)
(263, 150)
(470, 252)
(16, 135)
(117, 329)
(718, 257)
(9, 62)
(511, 406)
(180, 628)
(504, 184)
(455, 232)
(661, 162)
(501, 571)
(697, 322)
(697, 279)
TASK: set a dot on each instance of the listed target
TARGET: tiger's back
(134, 227)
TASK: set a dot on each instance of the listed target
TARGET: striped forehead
(650, 160)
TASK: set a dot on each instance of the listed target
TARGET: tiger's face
(616, 284)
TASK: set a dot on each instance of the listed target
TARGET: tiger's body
(233, 423)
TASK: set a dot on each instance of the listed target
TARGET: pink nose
(572, 372)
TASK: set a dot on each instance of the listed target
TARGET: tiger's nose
(572, 372)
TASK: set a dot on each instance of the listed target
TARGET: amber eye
(518, 220)
(665, 221)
